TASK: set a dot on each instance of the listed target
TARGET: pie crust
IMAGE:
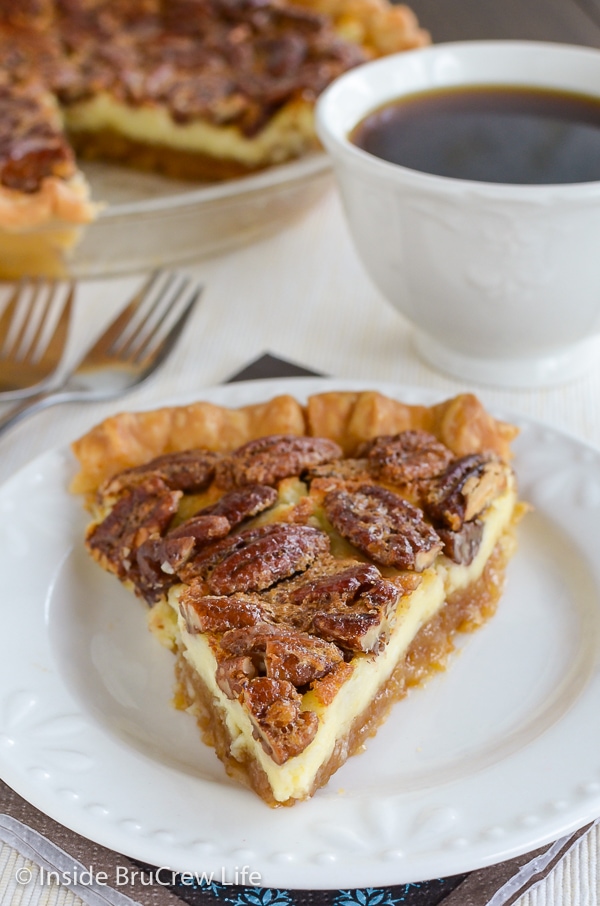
(307, 564)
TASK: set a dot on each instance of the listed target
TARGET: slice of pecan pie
(305, 579)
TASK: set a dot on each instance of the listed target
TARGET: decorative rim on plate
(494, 758)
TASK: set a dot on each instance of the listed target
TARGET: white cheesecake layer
(287, 134)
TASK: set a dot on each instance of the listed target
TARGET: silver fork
(130, 349)
(34, 327)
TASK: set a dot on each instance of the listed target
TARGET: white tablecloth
(304, 295)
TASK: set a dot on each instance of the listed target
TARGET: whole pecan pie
(306, 564)
(195, 89)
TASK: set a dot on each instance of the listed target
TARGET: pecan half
(142, 513)
(342, 589)
(353, 608)
(362, 631)
(243, 503)
(408, 458)
(202, 528)
(255, 559)
(283, 653)
(299, 660)
(338, 471)
(267, 460)
(282, 728)
(464, 490)
(387, 528)
(233, 675)
(215, 613)
(189, 470)
(159, 560)
(462, 546)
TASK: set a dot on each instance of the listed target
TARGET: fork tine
(163, 348)
(57, 341)
(41, 312)
(9, 313)
(24, 305)
(117, 328)
(32, 333)
(147, 313)
(152, 327)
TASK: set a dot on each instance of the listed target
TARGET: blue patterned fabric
(424, 893)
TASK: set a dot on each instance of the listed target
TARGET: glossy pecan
(190, 471)
(283, 653)
(216, 613)
(408, 458)
(462, 546)
(202, 529)
(255, 559)
(354, 608)
(342, 589)
(159, 560)
(339, 471)
(359, 631)
(267, 460)
(464, 490)
(233, 675)
(301, 661)
(241, 504)
(142, 513)
(387, 528)
(282, 728)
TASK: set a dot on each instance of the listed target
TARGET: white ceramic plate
(493, 758)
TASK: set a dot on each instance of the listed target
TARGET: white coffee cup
(501, 282)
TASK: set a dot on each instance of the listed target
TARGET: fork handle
(41, 400)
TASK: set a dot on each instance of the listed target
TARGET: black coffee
(504, 134)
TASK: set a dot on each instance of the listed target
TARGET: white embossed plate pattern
(490, 759)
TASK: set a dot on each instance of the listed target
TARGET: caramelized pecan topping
(387, 528)
(353, 607)
(159, 560)
(297, 660)
(358, 631)
(282, 653)
(254, 559)
(341, 589)
(408, 458)
(462, 546)
(32, 145)
(228, 62)
(233, 675)
(267, 460)
(282, 728)
(190, 471)
(202, 528)
(218, 613)
(243, 503)
(338, 471)
(142, 513)
(464, 490)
